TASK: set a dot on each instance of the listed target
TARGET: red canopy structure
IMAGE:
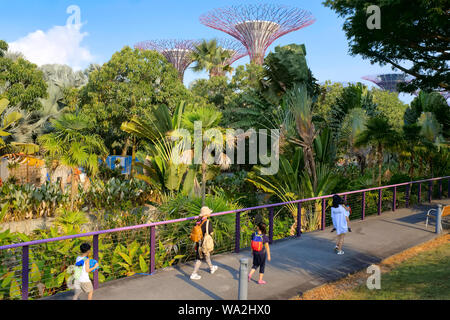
(177, 52)
(257, 26)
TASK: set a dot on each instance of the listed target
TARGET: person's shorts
(86, 287)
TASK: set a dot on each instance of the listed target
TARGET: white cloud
(60, 45)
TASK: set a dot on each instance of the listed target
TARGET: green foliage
(285, 68)
(212, 58)
(132, 81)
(418, 35)
(21, 82)
(71, 143)
(430, 102)
(7, 119)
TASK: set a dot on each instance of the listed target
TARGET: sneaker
(349, 229)
(261, 282)
(195, 276)
(336, 249)
(340, 252)
(213, 269)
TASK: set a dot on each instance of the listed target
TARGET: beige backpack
(208, 242)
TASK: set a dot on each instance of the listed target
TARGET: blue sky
(111, 24)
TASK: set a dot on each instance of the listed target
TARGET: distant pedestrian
(82, 281)
(260, 250)
(204, 244)
(339, 216)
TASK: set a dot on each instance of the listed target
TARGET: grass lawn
(418, 273)
(424, 276)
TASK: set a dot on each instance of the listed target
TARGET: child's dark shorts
(259, 260)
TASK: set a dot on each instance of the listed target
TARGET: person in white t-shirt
(339, 215)
(83, 283)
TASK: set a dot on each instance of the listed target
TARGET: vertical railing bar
(379, 200)
(237, 242)
(419, 194)
(394, 199)
(270, 225)
(440, 189)
(363, 205)
(152, 249)
(95, 255)
(407, 196)
(299, 219)
(25, 271)
(430, 191)
(323, 214)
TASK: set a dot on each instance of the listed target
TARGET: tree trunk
(133, 156)
(125, 147)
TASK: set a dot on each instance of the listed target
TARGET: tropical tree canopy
(21, 82)
(413, 32)
(132, 81)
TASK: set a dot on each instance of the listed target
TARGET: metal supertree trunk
(389, 81)
(257, 26)
(177, 52)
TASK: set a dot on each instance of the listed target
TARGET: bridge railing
(22, 268)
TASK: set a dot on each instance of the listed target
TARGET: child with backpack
(82, 281)
(260, 249)
(204, 244)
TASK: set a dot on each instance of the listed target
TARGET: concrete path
(297, 264)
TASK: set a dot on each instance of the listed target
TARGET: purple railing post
(440, 189)
(430, 191)
(299, 219)
(95, 254)
(407, 196)
(25, 267)
(394, 199)
(270, 225)
(345, 199)
(380, 191)
(323, 214)
(448, 188)
(363, 206)
(237, 242)
(419, 194)
(152, 249)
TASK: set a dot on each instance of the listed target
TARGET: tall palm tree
(209, 56)
(299, 104)
(71, 144)
(378, 133)
(352, 126)
(209, 119)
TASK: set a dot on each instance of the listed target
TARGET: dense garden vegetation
(333, 138)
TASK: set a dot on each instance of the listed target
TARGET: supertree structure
(177, 52)
(389, 81)
(257, 26)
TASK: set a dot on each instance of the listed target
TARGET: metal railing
(359, 204)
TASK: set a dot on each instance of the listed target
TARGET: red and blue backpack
(257, 242)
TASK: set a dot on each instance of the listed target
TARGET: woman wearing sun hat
(206, 228)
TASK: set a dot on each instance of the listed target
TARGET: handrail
(153, 224)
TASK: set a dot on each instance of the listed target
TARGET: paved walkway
(297, 264)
